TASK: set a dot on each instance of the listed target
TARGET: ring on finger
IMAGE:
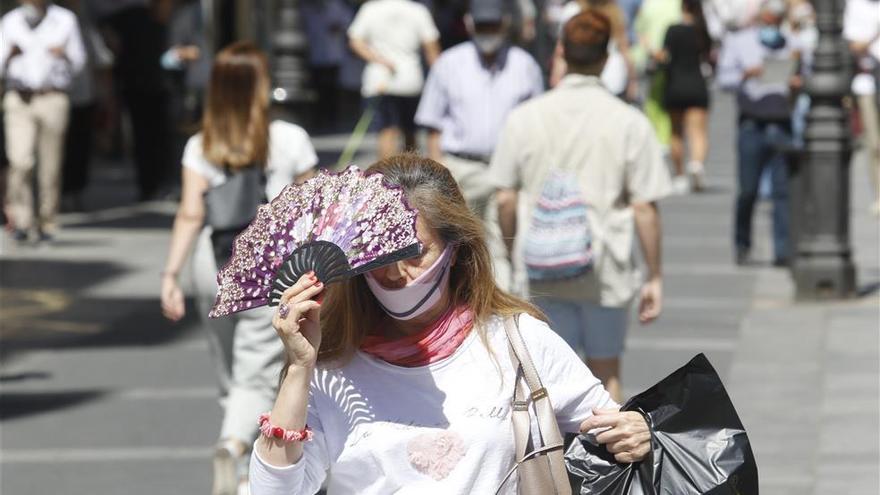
(284, 311)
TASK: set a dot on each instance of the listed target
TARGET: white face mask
(488, 44)
(32, 14)
(418, 296)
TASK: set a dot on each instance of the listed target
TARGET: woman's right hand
(172, 298)
(300, 329)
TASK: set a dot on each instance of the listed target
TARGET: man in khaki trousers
(40, 51)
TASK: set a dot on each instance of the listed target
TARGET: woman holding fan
(239, 156)
(400, 379)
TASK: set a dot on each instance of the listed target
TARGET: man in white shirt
(42, 50)
(388, 34)
(469, 92)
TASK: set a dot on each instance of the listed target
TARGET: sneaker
(698, 175)
(46, 238)
(20, 236)
(680, 185)
(226, 460)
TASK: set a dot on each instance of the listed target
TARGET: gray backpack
(231, 206)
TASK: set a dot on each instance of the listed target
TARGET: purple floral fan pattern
(339, 225)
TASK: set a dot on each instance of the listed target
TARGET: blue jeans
(760, 146)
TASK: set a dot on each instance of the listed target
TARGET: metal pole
(822, 265)
(209, 24)
(288, 55)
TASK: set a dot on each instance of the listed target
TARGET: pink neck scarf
(438, 341)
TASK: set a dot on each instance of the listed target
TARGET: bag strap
(551, 443)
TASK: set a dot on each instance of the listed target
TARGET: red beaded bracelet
(270, 431)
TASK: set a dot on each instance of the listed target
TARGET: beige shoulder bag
(540, 468)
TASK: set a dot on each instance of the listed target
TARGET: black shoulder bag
(231, 206)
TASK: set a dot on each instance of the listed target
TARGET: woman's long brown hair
(235, 125)
(350, 310)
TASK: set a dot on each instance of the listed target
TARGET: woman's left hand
(172, 298)
(627, 436)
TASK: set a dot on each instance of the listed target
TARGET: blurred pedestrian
(187, 66)
(760, 63)
(41, 51)
(861, 28)
(685, 52)
(469, 92)
(325, 22)
(188, 59)
(730, 15)
(187, 51)
(801, 24)
(89, 91)
(619, 74)
(630, 9)
(654, 19)
(139, 39)
(388, 35)
(237, 142)
(579, 174)
(522, 26)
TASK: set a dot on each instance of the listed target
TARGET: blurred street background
(99, 394)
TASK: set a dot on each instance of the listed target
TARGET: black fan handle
(325, 258)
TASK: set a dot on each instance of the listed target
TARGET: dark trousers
(144, 93)
(326, 82)
(78, 149)
(149, 122)
(760, 146)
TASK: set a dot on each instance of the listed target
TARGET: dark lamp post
(822, 265)
(288, 54)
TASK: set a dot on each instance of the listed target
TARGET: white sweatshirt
(444, 428)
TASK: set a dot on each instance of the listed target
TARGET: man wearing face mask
(469, 92)
(759, 63)
(41, 51)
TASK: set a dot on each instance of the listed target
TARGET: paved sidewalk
(803, 376)
(101, 396)
(806, 376)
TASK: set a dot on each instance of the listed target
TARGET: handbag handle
(551, 443)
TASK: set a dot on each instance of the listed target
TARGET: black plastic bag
(699, 445)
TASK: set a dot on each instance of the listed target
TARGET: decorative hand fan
(339, 225)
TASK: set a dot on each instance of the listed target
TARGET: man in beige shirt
(610, 150)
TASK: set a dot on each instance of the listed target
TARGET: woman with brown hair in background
(237, 139)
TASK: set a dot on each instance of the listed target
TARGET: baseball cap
(487, 11)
